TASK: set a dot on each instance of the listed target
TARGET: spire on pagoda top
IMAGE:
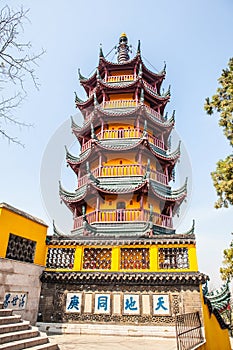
(123, 49)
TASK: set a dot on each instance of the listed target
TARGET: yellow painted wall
(11, 222)
(115, 265)
(121, 198)
(116, 161)
(147, 201)
(216, 338)
(124, 97)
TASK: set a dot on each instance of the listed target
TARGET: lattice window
(62, 258)
(135, 258)
(97, 258)
(20, 248)
(173, 258)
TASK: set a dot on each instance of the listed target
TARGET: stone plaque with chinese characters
(102, 303)
(73, 302)
(15, 300)
(131, 304)
(161, 304)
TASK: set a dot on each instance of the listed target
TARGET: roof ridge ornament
(139, 47)
(123, 49)
(81, 77)
(77, 99)
(101, 54)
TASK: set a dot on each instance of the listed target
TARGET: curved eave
(115, 86)
(169, 124)
(128, 64)
(84, 104)
(153, 75)
(88, 81)
(163, 99)
(80, 193)
(56, 232)
(121, 188)
(77, 130)
(109, 145)
(71, 197)
(75, 127)
(220, 296)
(73, 160)
(174, 156)
(166, 194)
(190, 232)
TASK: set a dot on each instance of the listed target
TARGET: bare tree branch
(17, 65)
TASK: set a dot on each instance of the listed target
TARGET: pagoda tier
(99, 151)
(110, 72)
(104, 121)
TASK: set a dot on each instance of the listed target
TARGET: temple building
(123, 261)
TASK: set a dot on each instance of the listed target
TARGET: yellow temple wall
(25, 227)
(116, 256)
(215, 337)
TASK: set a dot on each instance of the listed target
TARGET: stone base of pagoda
(119, 298)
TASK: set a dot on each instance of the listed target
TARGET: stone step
(14, 327)
(48, 346)
(5, 312)
(10, 319)
(25, 343)
(19, 335)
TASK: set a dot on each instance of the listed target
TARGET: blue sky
(192, 36)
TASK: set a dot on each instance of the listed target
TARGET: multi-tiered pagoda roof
(125, 150)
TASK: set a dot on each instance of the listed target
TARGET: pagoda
(123, 261)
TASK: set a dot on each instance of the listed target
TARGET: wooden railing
(150, 87)
(119, 104)
(119, 78)
(123, 134)
(124, 170)
(120, 134)
(86, 145)
(153, 113)
(123, 215)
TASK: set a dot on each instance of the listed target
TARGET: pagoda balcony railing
(129, 104)
(124, 215)
(123, 134)
(153, 113)
(119, 104)
(120, 134)
(127, 77)
(86, 145)
(150, 87)
(119, 78)
(124, 170)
